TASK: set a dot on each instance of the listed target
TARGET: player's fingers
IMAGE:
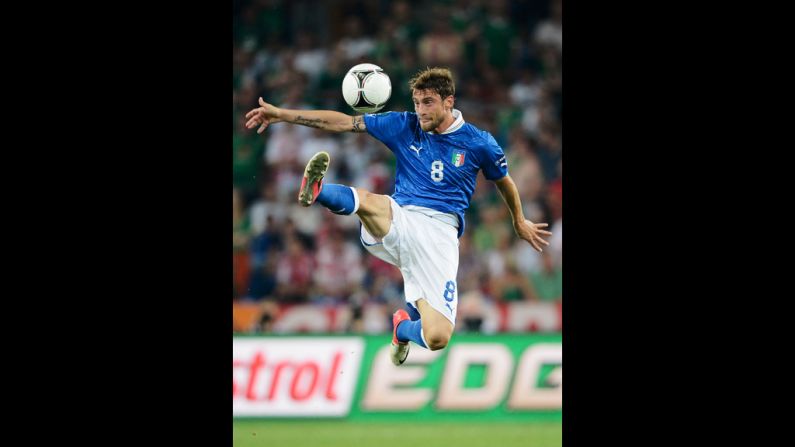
(548, 233)
(252, 113)
(533, 243)
(253, 122)
(543, 241)
(262, 127)
(541, 225)
(262, 102)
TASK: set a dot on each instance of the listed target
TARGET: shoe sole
(393, 354)
(314, 172)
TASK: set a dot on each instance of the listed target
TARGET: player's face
(430, 108)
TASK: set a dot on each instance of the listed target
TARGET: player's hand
(532, 232)
(262, 116)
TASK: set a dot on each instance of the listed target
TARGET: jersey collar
(457, 124)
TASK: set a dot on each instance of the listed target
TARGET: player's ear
(449, 102)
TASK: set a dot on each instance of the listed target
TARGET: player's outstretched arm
(529, 231)
(321, 119)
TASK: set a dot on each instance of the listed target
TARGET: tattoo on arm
(311, 122)
(358, 124)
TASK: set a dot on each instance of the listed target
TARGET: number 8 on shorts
(449, 291)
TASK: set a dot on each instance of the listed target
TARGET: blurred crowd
(506, 57)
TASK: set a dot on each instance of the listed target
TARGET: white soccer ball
(366, 88)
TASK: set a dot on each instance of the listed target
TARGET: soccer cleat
(400, 349)
(312, 182)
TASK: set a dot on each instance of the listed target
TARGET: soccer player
(417, 228)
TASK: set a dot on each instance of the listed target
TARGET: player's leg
(431, 267)
(414, 314)
(403, 331)
(375, 213)
(431, 330)
(374, 210)
(406, 326)
(339, 199)
(436, 328)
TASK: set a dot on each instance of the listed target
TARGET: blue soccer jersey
(437, 171)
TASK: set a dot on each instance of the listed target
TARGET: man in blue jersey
(417, 228)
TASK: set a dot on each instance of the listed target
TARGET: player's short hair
(439, 80)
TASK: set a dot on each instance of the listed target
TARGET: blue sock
(411, 331)
(339, 199)
(413, 313)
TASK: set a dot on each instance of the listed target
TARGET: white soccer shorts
(425, 249)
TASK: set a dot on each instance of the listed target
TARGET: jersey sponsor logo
(415, 149)
(501, 162)
(458, 158)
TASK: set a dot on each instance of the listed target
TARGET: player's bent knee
(437, 340)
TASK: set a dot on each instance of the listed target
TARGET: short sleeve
(493, 161)
(384, 126)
